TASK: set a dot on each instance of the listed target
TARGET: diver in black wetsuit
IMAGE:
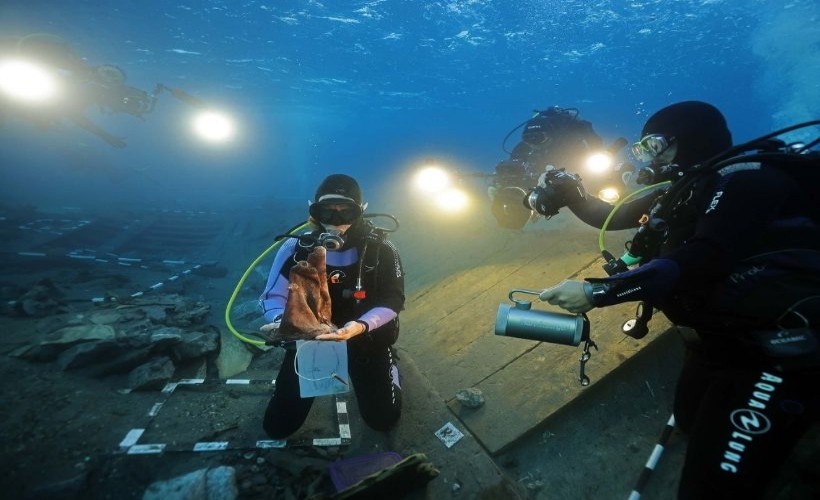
(368, 314)
(556, 138)
(732, 256)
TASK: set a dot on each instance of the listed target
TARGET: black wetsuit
(742, 250)
(568, 142)
(371, 360)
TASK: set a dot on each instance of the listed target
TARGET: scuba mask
(655, 148)
(658, 150)
(336, 214)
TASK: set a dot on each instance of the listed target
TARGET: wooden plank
(533, 387)
(457, 275)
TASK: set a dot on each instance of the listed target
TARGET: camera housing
(557, 188)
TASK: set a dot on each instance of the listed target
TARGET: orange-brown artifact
(307, 310)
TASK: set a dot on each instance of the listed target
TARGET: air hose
(601, 237)
(244, 277)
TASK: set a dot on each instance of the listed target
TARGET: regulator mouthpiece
(332, 240)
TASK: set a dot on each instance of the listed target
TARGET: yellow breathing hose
(601, 244)
(241, 282)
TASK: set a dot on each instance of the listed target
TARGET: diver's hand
(273, 325)
(270, 327)
(569, 295)
(350, 330)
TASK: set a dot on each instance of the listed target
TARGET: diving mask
(336, 214)
(655, 148)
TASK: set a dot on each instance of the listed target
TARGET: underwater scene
(213, 215)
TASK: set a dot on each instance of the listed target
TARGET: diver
(552, 139)
(555, 136)
(731, 255)
(76, 78)
(112, 95)
(366, 284)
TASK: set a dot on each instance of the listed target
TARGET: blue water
(372, 87)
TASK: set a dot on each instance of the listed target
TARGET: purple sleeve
(377, 317)
(273, 299)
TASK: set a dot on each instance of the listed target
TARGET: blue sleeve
(273, 299)
(651, 282)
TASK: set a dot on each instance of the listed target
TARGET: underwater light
(432, 179)
(609, 195)
(213, 126)
(27, 82)
(598, 163)
(452, 200)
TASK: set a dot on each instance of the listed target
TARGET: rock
(152, 375)
(246, 310)
(196, 344)
(204, 484)
(41, 353)
(63, 339)
(470, 398)
(51, 324)
(122, 363)
(89, 353)
(106, 317)
(166, 336)
(41, 300)
(234, 357)
(156, 314)
(188, 312)
(81, 333)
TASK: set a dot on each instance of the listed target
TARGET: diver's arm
(735, 213)
(594, 212)
(90, 126)
(386, 305)
(273, 299)
(593, 140)
(390, 299)
(651, 282)
(391, 278)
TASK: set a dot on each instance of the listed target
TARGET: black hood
(698, 127)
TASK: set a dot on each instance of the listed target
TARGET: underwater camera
(557, 188)
(521, 321)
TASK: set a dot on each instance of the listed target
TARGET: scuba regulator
(653, 228)
(326, 239)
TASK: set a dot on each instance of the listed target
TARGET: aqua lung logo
(749, 422)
